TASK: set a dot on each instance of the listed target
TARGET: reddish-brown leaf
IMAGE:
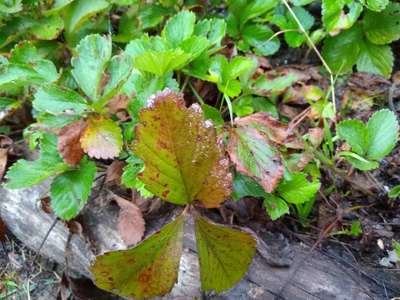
(114, 171)
(69, 144)
(131, 224)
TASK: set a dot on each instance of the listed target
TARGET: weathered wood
(318, 278)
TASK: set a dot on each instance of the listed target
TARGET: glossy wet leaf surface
(183, 161)
(148, 270)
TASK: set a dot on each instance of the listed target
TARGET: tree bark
(318, 277)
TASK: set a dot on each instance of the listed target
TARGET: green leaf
(183, 162)
(383, 131)
(57, 100)
(225, 254)
(17, 75)
(237, 67)
(179, 28)
(118, 70)
(147, 270)
(212, 29)
(383, 27)
(70, 191)
(264, 86)
(80, 11)
(26, 173)
(276, 207)
(152, 14)
(161, 62)
(102, 138)
(93, 53)
(355, 133)
(213, 114)
(342, 51)
(377, 59)
(334, 17)
(255, 155)
(259, 37)
(375, 5)
(48, 28)
(394, 192)
(298, 189)
(358, 161)
(244, 186)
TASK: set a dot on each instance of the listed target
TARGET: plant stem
(311, 43)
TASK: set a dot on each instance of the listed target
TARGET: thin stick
(44, 240)
(311, 43)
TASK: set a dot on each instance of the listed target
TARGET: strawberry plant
(187, 98)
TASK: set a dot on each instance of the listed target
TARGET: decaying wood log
(318, 278)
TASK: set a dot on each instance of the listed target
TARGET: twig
(44, 241)
(311, 43)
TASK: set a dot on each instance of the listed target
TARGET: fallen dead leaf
(69, 144)
(114, 171)
(2, 231)
(131, 224)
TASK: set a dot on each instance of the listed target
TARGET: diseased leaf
(26, 173)
(298, 189)
(48, 28)
(94, 51)
(252, 148)
(69, 144)
(102, 138)
(130, 221)
(334, 17)
(183, 162)
(224, 254)
(148, 270)
(70, 191)
(376, 5)
(57, 100)
(355, 133)
(383, 132)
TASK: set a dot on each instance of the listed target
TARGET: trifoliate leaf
(335, 18)
(224, 254)
(70, 191)
(376, 59)
(56, 100)
(254, 154)
(383, 27)
(102, 138)
(26, 173)
(342, 51)
(93, 53)
(148, 270)
(298, 189)
(81, 10)
(183, 161)
(276, 207)
(179, 27)
(383, 131)
(355, 133)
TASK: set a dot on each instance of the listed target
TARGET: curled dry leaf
(102, 138)
(183, 161)
(69, 144)
(131, 224)
(5, 144)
